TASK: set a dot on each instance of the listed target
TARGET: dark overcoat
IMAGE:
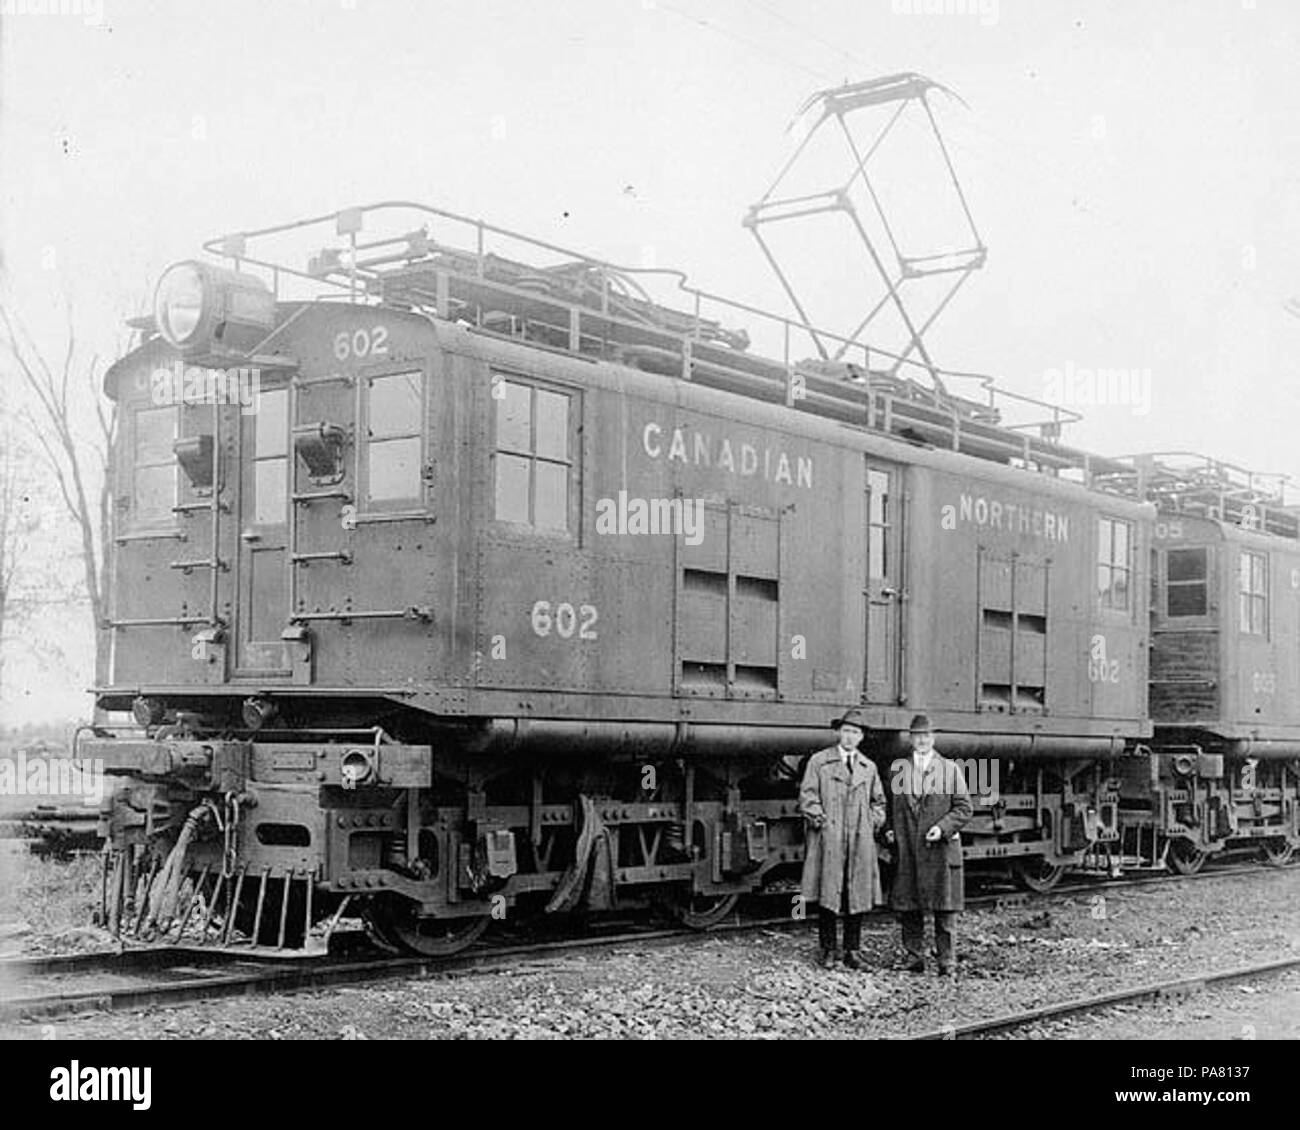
(929, 876)
(844, 813)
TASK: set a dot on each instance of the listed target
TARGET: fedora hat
(921, 724)
(851, 717)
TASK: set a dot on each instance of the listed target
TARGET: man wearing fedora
(843, 804)
(929, 806)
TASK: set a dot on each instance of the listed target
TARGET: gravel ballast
(763, 983)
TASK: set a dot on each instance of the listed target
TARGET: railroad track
(1177, 989)
(139, 978)
(1092, 884)
(172, 978)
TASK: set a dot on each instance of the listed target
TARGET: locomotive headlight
(178, 303)
(199, 308)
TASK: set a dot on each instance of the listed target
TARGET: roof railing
(1184, 482)
(500, 281)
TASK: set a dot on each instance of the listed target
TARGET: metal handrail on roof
(1185, 482)
(500, 281)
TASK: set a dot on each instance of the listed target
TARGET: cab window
(1114, 563)
(533, 457)
(394, 428)
(153, 467)
(1253, 577)
(1186, 582)
(271, 458)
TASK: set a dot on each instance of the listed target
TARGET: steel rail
(129, 960)
(290, 976)
(297, 974)
(1177, 988)
(110, 961)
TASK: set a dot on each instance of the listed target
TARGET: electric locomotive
(460, 585)
(1222, 771)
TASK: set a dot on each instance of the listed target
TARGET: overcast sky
(1133, 167)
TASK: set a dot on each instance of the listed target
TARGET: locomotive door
(883, 582)
(263, 536)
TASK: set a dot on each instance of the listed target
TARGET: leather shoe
(852, 960)
(917, 966)
(947, 971)
(827, 959)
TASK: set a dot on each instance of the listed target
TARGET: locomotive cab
(276, 499)
(1224, 765)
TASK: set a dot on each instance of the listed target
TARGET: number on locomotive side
(1169, 530)
(564, 620)
(361, 343)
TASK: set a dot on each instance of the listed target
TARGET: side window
(1186, 582)
(533, 457)
(1114, 563)
(878, 521)
(153, 467)
(271, 458)
(1253, 576)
(392, 459)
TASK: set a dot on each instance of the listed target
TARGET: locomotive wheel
(1185, 859)
(394, 925)
(699, 912)
(1278, 852)
(1034, 873)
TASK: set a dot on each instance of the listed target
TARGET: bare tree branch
(54, 425)
(16, 525)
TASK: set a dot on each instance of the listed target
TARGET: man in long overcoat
(929, 806)
(844, 805)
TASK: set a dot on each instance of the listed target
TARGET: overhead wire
(719, 29)
(852, 58)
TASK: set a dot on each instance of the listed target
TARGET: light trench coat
(844, 813)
